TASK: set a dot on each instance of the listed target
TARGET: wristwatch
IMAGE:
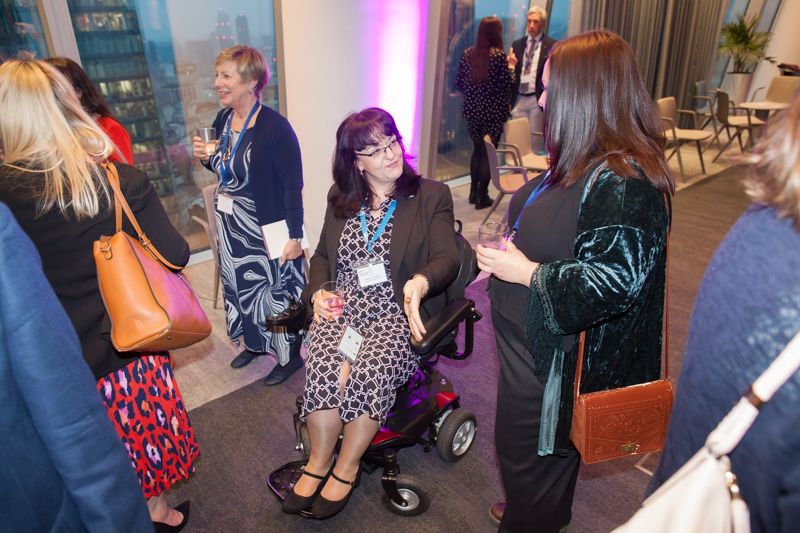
(296, 239)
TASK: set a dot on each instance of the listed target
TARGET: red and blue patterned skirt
(147, 411)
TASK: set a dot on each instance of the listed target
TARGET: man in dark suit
(531, 54)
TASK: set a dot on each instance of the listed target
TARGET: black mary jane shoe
(294, 503)
(324, 508)
(161, 527)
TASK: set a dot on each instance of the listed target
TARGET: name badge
(524, 78)
(371, 273)
(225, 203)
(350, 343)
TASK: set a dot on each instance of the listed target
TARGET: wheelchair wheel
(305, 441)
(456, 434)
(417, 498)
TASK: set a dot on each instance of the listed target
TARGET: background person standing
(530, 53)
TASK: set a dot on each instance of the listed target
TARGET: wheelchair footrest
(283, 480)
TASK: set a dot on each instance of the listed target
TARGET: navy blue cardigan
(279, 168)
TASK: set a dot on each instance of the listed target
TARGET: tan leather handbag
(151, 307)
(625, 421)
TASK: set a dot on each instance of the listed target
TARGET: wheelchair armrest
(443, 323)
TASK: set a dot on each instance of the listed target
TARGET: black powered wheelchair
(426, 411)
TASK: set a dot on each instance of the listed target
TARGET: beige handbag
(151, 307)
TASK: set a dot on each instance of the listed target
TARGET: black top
(547, 230)
(65, 247)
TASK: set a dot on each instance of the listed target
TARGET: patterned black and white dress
(253, 285)
(385, 361)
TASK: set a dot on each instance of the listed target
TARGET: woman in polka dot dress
(485, 76)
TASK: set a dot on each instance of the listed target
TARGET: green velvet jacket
(613, 290)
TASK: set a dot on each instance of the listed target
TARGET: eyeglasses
(380, 153)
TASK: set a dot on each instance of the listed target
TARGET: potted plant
(746, 46)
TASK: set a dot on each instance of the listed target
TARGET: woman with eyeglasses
(389, 243)
(257, 161)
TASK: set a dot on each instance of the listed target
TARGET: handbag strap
(120, 204)
(733, 427)
(665, 336)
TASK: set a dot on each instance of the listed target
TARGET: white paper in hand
(276, 235)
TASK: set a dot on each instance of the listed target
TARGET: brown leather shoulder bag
(151, 307)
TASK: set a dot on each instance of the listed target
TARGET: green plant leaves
(744, 44)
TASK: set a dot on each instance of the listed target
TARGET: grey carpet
(247, 433)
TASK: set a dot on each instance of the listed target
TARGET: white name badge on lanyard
(225, 203)
(524, 78)
(371, 273)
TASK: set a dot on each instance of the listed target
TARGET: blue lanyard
(381, 226)
(539, 188)
(225, 168)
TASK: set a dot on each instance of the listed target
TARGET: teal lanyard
(381, 226)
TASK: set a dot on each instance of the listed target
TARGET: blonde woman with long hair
(53, 182)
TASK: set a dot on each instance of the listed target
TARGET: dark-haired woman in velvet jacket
(589, 254)
(388, 239)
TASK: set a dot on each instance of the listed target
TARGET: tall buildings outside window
(153, 62)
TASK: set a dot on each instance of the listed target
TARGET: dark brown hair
(90, 98)
(598, 108)
(357, 132)
(490, 35)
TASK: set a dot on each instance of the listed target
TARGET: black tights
(479, 167)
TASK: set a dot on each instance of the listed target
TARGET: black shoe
(326, 508)
(483, 202)
(244, 358)
(294, 503)
(183, 508)
(471, 197)
(280, 373)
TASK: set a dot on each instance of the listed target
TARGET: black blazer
(423, 242)
(519, 50)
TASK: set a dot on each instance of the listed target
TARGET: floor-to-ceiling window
(153, 62)
(454, 148)
(21, 33)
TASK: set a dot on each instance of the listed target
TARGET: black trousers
(539, 489)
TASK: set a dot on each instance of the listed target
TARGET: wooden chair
(517, 143)
(211, 233)
(781, 89)
(507, 183)
(668, 110)
(728, 121)
(704, 107)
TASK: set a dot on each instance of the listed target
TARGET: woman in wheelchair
(389, 243)
(589, 254)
